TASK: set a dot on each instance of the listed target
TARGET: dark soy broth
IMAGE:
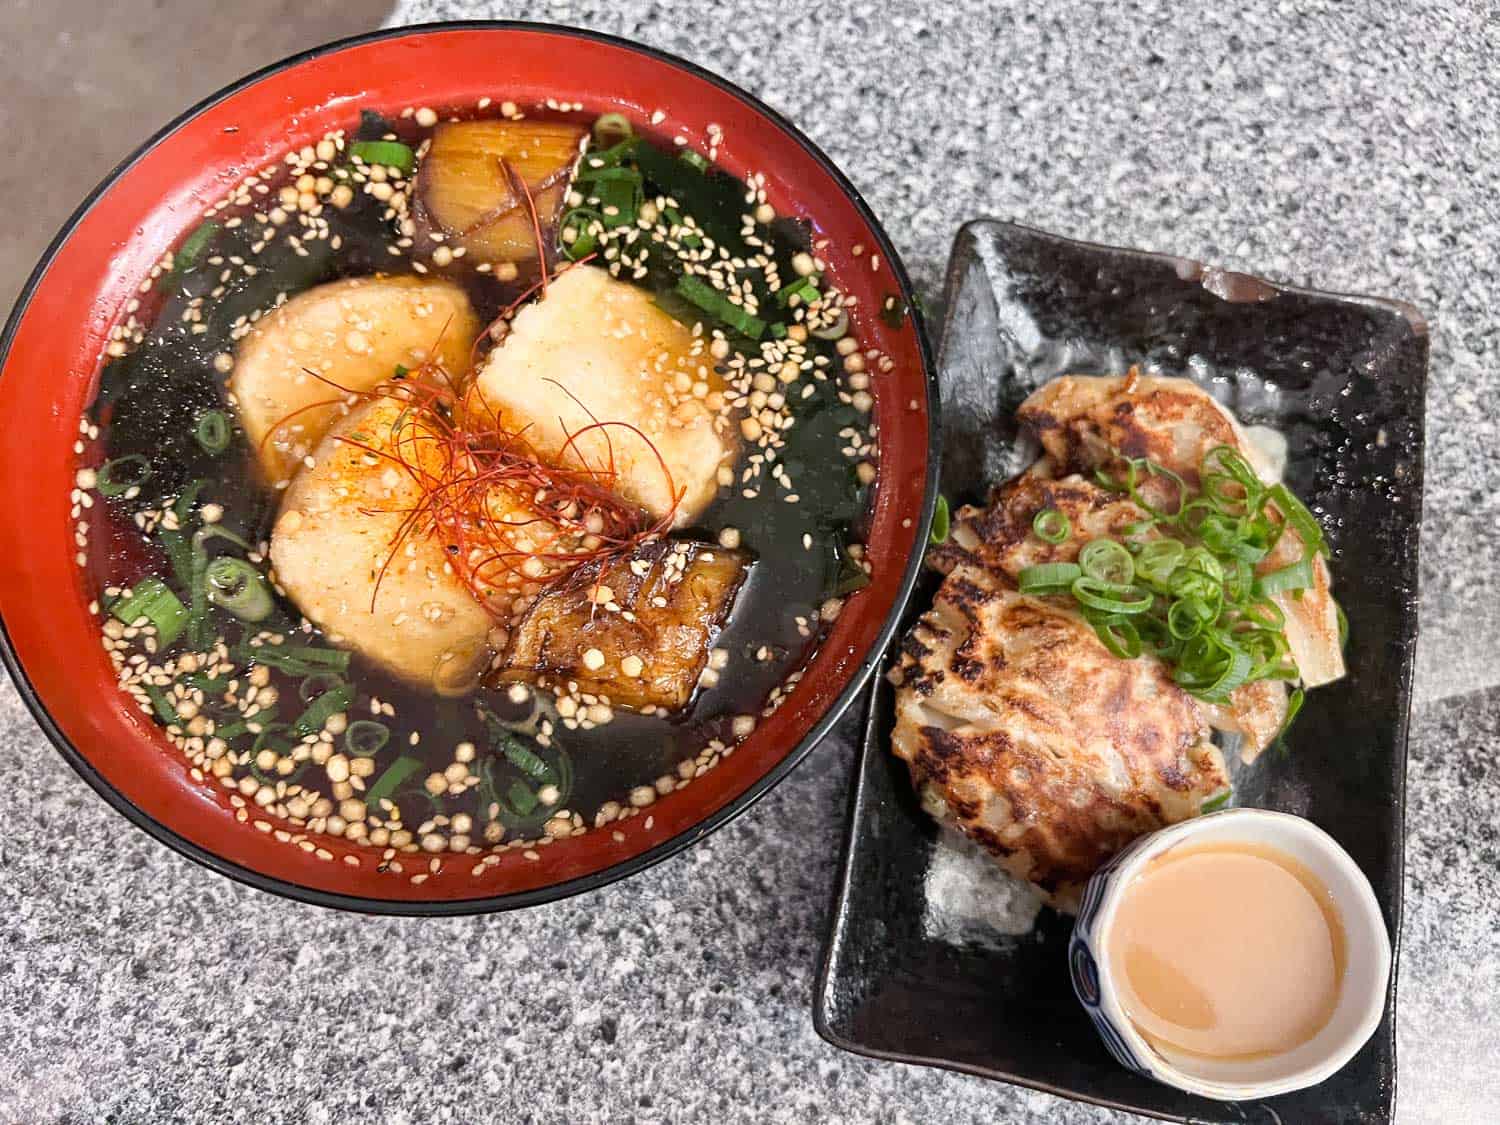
(170, 483)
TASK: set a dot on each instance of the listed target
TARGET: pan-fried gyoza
(1145, 583)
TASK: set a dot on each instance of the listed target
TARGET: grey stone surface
(1348, 147)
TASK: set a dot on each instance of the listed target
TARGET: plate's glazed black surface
(1343, 378)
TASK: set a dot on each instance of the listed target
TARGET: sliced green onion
(109, 479)
(525, 760)
(366, 737)
(1343, 625)
(394, 777)
(1048, 578)
(1298, 576)
(717, 305)
(804, 289)
(694, 159)
(522, 799)
(836, 329)
(1219, 668)
(316, 684)
(580, 220)
(235, 585)
(588, 175)
(941, 522)
(1118, 634)
(1153, 469)
(150, 598)
(1110, 597)
(617, 202)
(1158, 559)
(294, 660)
(242, 726)
(1107, 561)
(1217, 802)
(1239, 581)
(1051, 526)
(212, 432)
(1299, 518)
(1186, 619)
(185, 502)
(331, 702)
(193, 246)
(163, 707)
(611, 129)
(1293, 707)
(609, 157)
(390, 154)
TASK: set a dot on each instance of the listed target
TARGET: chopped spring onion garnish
(618, 201)
(162, 705)
(836, 329)
(384, 789)
(697, 160)
(150, 599)
(1118, 634)
(611, 129)
(1107, 561)
(193, 246)
(525, 760)
(235, 585)
(365, 737)
(522, 799)
(294, 660)
(941, 521)
(118, 476)
(1215, 803)
(213, 431)
(804, 289)
(580, 236)
(1048, 578)
(1293, 707)
(390, 154)
(1297, 576)
(1051, 526)
(315, 685)
(1183, 585)
(331, 702)
(718, 306)
(1110, 597)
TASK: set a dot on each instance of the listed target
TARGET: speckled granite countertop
(1351, 147)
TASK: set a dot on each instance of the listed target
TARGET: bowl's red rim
(635, 864)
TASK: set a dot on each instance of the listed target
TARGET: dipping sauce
(1227, 950)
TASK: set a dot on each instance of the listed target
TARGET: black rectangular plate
(1344, 379)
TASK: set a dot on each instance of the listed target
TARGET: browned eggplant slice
(635, 631)
(465, 191)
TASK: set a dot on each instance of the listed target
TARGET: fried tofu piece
(334, 536)
(635, 630)
(595, 376)
(351, 334)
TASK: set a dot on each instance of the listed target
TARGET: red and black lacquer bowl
(51, 354)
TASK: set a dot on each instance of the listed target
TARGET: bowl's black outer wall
(662, 851)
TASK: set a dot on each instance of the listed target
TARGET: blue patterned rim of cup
(1362, 991)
